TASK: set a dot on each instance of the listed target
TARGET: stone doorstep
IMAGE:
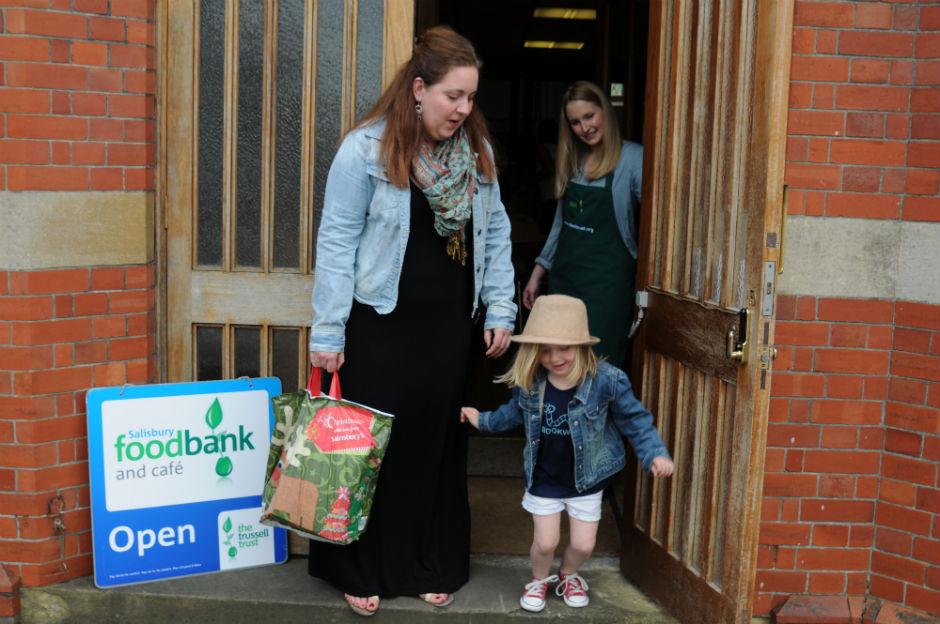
(886, 613)
(9, 593)
(814, 610)
(841, 609)
(286, 593)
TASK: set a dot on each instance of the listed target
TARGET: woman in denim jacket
(413, 239)
(574, 410)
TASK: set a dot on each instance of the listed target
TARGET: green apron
(593, 263)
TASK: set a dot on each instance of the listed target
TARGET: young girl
(574, 409)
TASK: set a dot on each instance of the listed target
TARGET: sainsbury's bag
(324, 463)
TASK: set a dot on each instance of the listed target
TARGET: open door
(714, 139)
(255, 97)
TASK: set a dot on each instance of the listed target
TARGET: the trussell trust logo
(242, 540)
(168, 443)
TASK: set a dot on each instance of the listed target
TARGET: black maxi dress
(412, 363)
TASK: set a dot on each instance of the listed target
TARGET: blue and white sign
(176, 473)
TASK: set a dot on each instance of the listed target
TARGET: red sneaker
(534, 597)
(573, 590)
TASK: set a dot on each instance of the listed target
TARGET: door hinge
(767, 294)
(783, 227)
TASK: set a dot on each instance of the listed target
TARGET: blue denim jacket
(603, 410)
(363, 234)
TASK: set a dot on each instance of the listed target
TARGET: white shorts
(586, 508)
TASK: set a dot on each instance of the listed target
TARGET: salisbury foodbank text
(156, 444)
(183, 443)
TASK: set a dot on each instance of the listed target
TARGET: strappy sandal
(443, 603)
(363, 611)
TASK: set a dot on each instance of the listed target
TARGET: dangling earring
(419, 110)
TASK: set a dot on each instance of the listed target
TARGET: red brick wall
(76, 95)
(864, 103)
(851, 496)
(824, 447)
(61, 333)
(851, 486)
(76, 114)
(905, 565)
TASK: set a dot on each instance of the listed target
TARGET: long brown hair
(571, 149)
(437, 50)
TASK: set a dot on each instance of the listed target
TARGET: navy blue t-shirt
(553, 476)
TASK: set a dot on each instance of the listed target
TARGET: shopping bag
(324, 463)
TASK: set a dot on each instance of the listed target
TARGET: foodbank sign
(176, 473)
(156, 444)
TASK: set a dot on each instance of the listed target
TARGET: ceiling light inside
(555, 45)
(565, 13)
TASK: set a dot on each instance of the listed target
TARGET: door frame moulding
(160, 183)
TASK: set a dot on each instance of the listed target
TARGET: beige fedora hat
(557, 320)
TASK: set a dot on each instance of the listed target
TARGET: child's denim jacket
(603, 408)
(363, 234)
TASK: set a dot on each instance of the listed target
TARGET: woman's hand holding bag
(329, 361)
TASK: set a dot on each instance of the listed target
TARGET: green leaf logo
(232, 552)
(227, 525)
(214, 414)
(223, 467)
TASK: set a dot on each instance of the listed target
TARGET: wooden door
(714, 135)
(255, 96)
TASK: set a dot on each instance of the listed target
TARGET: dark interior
(520, 90)
(520, 93)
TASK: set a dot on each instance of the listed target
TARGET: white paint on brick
(863, 258)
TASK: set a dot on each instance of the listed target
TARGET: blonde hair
(527, 362)
(571, 149)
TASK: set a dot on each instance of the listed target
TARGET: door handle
(737, 337)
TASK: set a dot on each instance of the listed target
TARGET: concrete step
(285, 594)
(493, 456)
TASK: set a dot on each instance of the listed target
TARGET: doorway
(530, 56)
(710, 103)
(713, 118)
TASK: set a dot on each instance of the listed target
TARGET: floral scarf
(447, 175)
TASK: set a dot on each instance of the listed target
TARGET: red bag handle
(314, 383)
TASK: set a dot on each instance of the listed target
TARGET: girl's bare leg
(583, 538)
(544, 543)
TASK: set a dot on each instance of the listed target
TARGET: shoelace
(572, 584)
(537, 588)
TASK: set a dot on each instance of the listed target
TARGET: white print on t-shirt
(583, 228)
(555, 424)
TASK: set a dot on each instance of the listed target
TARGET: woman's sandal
(442, 603)
(363, 611)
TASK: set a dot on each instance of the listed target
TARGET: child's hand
(470, 415)
(662, 466)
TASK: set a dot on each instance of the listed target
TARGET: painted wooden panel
(257, 97)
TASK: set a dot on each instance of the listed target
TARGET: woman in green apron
(591, 249)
